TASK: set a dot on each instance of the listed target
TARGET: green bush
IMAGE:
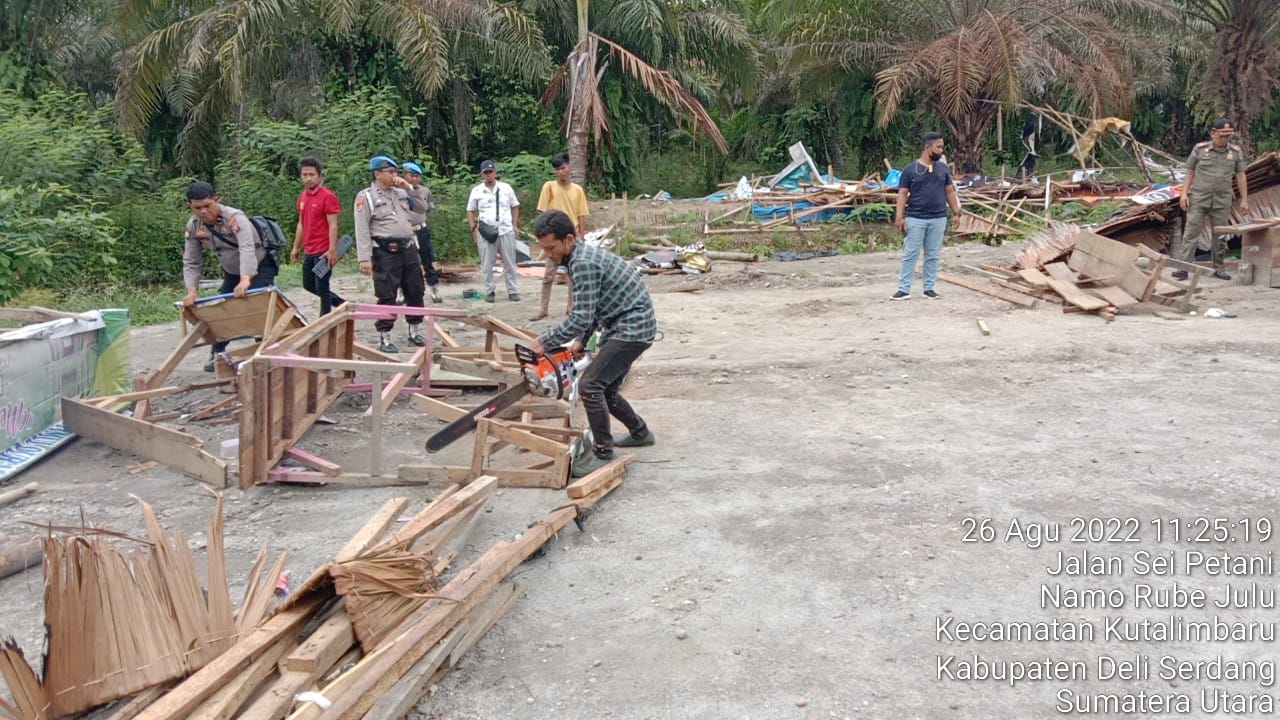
(50, 237)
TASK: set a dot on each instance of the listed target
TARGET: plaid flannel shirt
(609, 295)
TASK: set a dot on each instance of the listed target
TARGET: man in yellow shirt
(569, 198)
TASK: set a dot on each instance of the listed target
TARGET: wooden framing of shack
(284, 383)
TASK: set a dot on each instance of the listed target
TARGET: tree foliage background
(108, 108)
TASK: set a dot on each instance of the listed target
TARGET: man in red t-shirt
(317, 232)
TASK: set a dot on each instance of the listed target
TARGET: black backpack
(269, 234)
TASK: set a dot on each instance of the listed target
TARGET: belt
(416, 228)
(393, 237)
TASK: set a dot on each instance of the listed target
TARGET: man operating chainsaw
(607, 295)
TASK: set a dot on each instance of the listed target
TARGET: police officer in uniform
(226, 231)
(387, 247)
(424, 203)
(1207, 192)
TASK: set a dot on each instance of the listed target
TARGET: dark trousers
(427, 253)
(265, 277)
(319, 286)
(599, 388)
(392, 272)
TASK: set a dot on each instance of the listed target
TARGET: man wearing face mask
(924, 192)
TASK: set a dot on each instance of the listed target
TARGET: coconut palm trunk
(588, 117)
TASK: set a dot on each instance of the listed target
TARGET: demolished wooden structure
(1099, 275)
(367, 654)
(1159, 224)
(284, 383)
(1259, 251)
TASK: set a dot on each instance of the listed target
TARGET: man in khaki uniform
(226, 231)
(424, 202)
(388, 248)
(1207, 193)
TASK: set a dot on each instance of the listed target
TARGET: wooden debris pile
(1159, 224)
(284, 384)
(366, 636)
(1259, 251)
(1100, 275)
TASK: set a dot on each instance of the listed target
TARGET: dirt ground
(795, 540)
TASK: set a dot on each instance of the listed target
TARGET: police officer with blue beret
(387, 247)
(424, 203)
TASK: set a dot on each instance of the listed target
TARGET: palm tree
(964, 59)
(203, 59)
(701, 42)
(1237, 43)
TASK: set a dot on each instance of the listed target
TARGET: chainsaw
(554, 375)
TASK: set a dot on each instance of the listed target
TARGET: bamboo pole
(14, 496)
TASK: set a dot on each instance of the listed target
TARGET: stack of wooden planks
(365, 636)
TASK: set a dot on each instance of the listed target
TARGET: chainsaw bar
(465, 424)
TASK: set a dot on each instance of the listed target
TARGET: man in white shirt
(494, 213)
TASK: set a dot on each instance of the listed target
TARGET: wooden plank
(344, 479)
(1114, 296)
(314, 462)
(373, 529)
(232, 696)
(216, 408)
(326, 364)
(178, 450)
(553, 431)
(1034, 277)
(175, 357)
(598, 494)
(525, 439)
(321, 650)
(435, 408)
(369, 353)
(446, 340)
(136, 395)
(408, 690)
(379, 671)
(446, 654)
(987, 289)
(188, 695)
(1062, 280)
(1060, 272)
(13, 496)
(585, 486)
(482, 368)
(1044, 293)
(507, 478)
(1096, 256)
(440, 510)
(138, 703)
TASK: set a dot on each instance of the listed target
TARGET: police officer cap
(381, 161)
(412, 167)
(1223, 123)
(488, 165)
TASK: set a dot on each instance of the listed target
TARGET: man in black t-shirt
(924, 192)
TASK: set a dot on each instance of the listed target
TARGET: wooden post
(375, 439)
(626, 215)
